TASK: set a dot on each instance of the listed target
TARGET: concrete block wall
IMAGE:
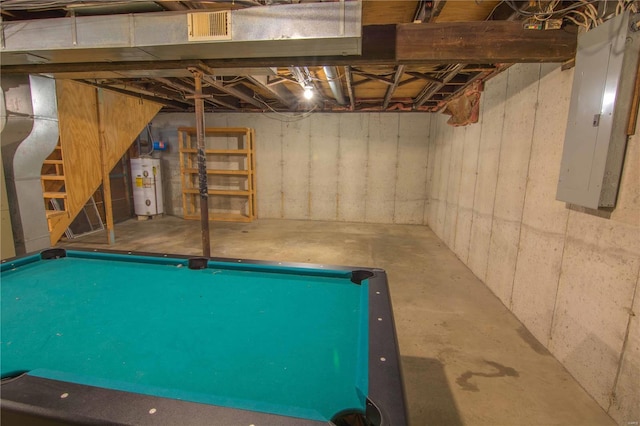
(360, 167)
(570, 275)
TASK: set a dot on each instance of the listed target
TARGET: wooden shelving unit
(231, 167)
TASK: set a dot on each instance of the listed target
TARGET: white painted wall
(570, 276)
(360, 167)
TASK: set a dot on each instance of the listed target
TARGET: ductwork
(334, 84)
(317, 29)
(29, 118)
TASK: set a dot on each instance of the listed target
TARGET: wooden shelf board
(217, 130)
(222, 217)
(216, 151)
(52, 162)
(236, 192)
(52, 177)
(219, 172)
(55, 213)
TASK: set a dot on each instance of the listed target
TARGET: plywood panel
(125, 117)
(388, 12)
(79, 139)
(465, 11)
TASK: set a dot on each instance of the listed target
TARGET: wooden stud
(104, 167)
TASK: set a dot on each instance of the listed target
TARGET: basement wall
(569, 275)
(355, 167)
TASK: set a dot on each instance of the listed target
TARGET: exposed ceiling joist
(415, 56)
(229, 90)
(281, 93)
(349, 79)
(431, 89)
(394, 86)
(172, 103)
(186, 89)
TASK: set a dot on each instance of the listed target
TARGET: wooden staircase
(53, 188)
(96, 128)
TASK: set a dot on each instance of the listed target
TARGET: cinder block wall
(359, 167)
(569, 275)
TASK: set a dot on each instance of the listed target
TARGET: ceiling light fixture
(308, 92)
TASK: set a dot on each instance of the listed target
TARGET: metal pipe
(334, 84)
(202, 164)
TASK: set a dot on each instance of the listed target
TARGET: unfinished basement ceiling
(411, 55)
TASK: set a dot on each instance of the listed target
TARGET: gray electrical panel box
(601, 101)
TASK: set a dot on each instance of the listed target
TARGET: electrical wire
(519, 11)
(288, 118)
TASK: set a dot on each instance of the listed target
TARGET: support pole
(202, 163)
(106, 182)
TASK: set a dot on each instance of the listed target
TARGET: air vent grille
(209, 26)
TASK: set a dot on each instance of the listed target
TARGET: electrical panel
(601, 102)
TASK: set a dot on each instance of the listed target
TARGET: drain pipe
(334, 84)
(29, 134)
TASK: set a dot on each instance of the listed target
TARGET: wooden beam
(481, 42)
(105, 169)
(202, 164)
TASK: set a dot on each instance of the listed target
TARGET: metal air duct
(305, 29)
(30, 133)
(334, 84)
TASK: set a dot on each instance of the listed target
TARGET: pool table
(96, 336)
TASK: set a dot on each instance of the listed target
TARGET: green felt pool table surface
(269, 338)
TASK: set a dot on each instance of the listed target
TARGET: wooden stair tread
(54, 213)
(50, 194)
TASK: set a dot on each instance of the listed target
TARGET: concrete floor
(466, 358)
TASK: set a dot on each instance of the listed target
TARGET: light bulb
(308, 92)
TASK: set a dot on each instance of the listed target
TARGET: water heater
(147, 186)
